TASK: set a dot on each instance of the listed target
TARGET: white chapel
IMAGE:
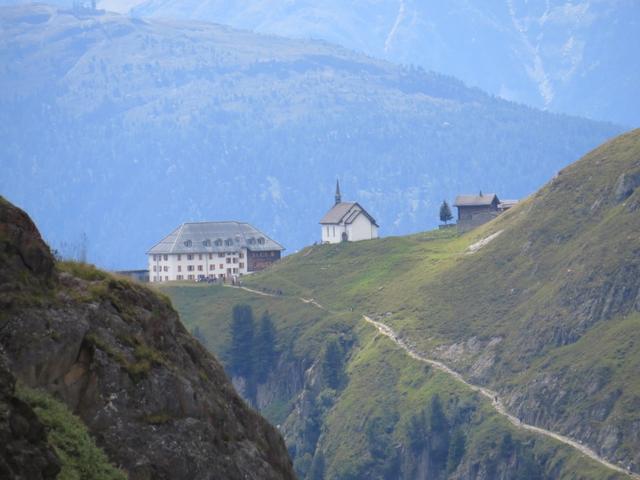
(347, 222)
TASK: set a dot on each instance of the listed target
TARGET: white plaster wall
(168, 269)
(362, 229)
(332, 233)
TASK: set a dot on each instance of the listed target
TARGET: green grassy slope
(385, 389)
(556, 290)
(365, 423)
(546, 313)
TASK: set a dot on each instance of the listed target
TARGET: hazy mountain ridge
(570, 57)
(174, 117)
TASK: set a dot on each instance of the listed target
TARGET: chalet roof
(345, 212)
(482, 200)
(507, 203)
(206, 237)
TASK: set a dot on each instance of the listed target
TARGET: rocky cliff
(24, 450)
(117, 354)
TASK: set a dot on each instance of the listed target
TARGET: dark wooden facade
(257, 261)
(467, 212)
(474, 210)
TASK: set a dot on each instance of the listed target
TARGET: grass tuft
(80, 457)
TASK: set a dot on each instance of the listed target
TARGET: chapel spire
(338, 196)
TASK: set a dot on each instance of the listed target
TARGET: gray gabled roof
(483, 200)
(205, 237)
(345, 212)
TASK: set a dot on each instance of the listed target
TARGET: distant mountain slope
(122, 129)
(574, 57)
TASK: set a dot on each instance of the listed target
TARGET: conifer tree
(439, 434)
(445, 212)
(437, 419)
(242, 332)
(456, 450)
(332, 364)
(417, 432)
(265, 348)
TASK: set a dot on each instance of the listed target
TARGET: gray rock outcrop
(117, 354)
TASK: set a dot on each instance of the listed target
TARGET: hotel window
(179, 257)
(190, 277)
(212, 267)
(210, 256)
(228, 259)
(189, 268)
(166, 269)
(166, 279)
(179, 268)
(166, 257)
(234, 260)
(241, 255)
(235, 270)
(189, 256)
(221, 255)
(179, 277)
(241, 265)
(199, 268)
(154, 258)
(199, 256)
(221, 266)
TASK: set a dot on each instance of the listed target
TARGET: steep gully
(493, 396)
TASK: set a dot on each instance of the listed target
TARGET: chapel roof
(345, 212)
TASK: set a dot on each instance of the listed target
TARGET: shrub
(82, 270)
(81, 459)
